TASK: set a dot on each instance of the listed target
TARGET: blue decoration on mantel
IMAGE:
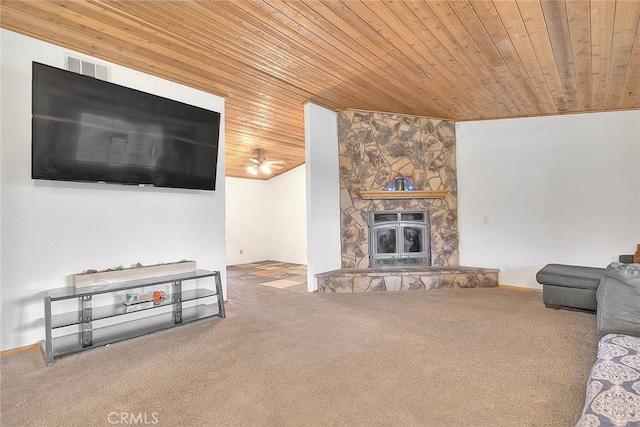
(399, 181)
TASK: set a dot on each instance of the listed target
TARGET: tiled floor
(282, 275)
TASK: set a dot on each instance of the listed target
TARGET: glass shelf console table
(90, 324)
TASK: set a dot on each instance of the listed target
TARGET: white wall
(266, 220)
(287, 216)
(562, 189)
(323, 191)
(247, 221)
(51, 230)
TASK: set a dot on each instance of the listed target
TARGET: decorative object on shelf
(158, 297)
(636, 257)
(120, 274)
(136, 299)
(399, 183)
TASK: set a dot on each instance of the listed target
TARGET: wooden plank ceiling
(457, 60)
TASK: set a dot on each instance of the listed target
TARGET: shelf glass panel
(69, 344)
(72, 292)
(103, 312)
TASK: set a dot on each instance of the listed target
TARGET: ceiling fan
(259, 164)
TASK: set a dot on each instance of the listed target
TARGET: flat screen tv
(90, 130)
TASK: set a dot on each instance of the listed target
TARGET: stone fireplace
(403, 239)
(373, 149)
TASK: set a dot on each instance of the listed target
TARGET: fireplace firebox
(399, 239)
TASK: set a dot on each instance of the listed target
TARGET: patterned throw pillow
(613, 389)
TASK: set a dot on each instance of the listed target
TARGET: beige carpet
(466, 357)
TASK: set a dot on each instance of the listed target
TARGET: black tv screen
(90, 130)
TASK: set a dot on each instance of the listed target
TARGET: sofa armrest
(618, 298)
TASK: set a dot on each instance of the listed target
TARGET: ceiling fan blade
(259, 163)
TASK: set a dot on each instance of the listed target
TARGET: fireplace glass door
(399, 239)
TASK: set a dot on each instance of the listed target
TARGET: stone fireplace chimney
(374, 148)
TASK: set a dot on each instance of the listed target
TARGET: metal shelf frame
(88, 337)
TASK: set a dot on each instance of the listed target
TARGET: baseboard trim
(19, 350)
(519, 288)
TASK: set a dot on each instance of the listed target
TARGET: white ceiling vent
(87, 68)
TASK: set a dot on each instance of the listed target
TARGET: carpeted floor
(461, 357)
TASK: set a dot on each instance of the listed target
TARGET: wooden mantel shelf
(403, 194)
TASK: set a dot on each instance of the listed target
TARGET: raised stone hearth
(408, 278)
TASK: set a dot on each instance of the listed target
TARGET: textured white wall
(266, 220)
(561, 189)
(247, 221)
(51, 230)
(287, 217)
(323, 191)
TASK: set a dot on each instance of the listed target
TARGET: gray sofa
(574, 287)
(570, 286)
(618, 298)
(613, 388)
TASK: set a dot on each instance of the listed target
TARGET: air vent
(86, 68)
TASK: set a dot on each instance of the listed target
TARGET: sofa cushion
(613, 388)
(571, 276)
(618, 297)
